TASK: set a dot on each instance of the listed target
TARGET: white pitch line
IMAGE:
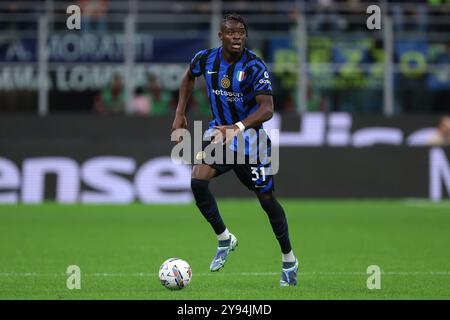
(318, 273)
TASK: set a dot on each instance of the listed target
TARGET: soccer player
(240, 94)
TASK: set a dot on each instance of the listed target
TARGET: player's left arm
(261, 115)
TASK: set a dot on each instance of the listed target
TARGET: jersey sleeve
(196, 66)
(261, 79)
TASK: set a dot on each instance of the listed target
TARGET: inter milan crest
(225, 82)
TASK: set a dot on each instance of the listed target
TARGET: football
(175, 274)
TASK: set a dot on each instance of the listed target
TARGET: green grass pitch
(120, 248)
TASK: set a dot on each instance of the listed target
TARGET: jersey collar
(244, 52)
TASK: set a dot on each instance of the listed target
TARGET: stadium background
(85, 117)
(354, 105)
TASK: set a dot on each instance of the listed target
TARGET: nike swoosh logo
(211, 72)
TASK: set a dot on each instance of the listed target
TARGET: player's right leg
(201, 175)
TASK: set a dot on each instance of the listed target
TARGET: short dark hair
(235, 17)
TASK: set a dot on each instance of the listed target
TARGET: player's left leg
(279, 224)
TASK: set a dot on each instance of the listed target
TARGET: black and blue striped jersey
(232, 88)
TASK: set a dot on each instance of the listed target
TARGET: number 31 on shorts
(258, 173)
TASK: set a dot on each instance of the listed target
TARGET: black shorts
(253, 174)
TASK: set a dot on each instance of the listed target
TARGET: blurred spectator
(199, 102)
(140, 104)
(413, 17)
(27, 21)
(326, 17)
(441, 99)
(316, 100)
(112, 98)
(441, 11)
(10, 24)
(93, 15)
(159, 99)
(442, 135)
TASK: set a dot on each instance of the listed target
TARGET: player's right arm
(186, 88)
